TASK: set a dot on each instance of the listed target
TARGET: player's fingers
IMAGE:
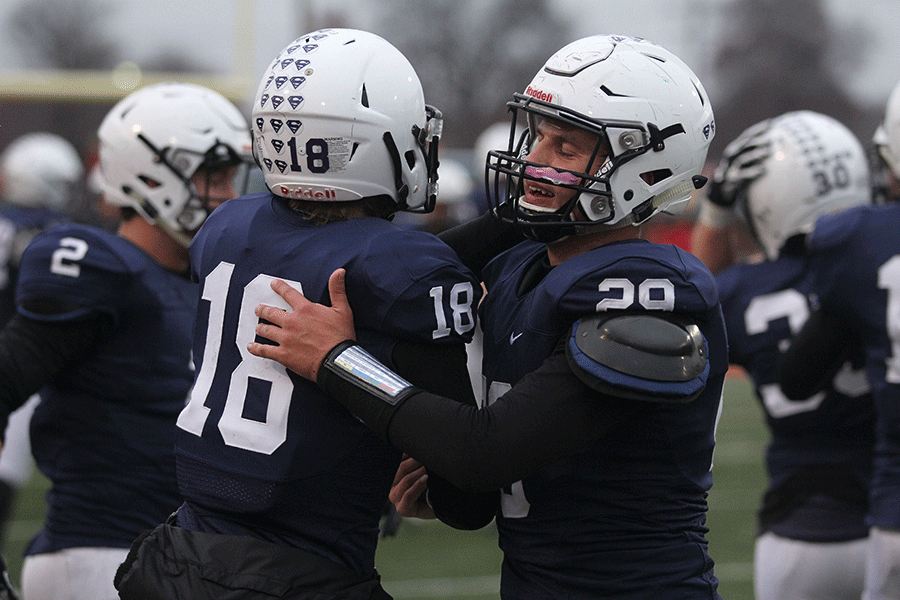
(271, 313)
(338, 292)
(263, 350)
(294, 298)
(407, 494)
(269, 332)
(406, 467)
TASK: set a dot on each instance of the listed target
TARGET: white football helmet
(812, 165)
(340, 115)
(154, 140)
(41, 170)
(648, 111)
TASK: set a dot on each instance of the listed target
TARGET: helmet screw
(628, 140)
(598, 205)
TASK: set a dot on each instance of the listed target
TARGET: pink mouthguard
(552, 175)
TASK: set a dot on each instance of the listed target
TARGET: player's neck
(572, 246)
(159, 245)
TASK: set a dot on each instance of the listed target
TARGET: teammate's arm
(32, 352)
(443, 371)
(548, 415)
(815, 355)
(479, 240)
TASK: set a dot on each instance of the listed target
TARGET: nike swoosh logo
(513, 337)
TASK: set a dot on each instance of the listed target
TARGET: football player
(604, 354)
(41, 176)
(283, 489)
(855, 260)
(778, 177)
(102, 329)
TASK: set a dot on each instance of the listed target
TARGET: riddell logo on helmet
(327, 194)
(539, 94)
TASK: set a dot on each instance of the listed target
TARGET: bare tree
(64, 34)
(472, 55)
(780, 56)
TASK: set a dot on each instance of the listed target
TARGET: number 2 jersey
(819, 459)
(855, 259)
(104, 430)
(625, 519)
(263, 452)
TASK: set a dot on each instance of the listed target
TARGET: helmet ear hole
(657, 176)
(149, 181)
(410, 157)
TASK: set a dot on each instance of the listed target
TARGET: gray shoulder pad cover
(657, 358)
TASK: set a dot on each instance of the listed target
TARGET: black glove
(741, 164)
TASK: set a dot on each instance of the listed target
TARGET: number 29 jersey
(263, 452)
(624, 519)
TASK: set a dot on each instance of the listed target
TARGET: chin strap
(649, 207)
(394, 153)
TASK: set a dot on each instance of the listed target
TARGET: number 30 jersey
(104, 429)
(624, 519)
(263, 452)
(855, 259)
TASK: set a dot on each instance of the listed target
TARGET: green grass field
(427, 560)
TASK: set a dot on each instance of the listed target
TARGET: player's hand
(741, 164)
(305, 336)
(408, 490)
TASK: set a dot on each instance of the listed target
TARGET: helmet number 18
(316, 152)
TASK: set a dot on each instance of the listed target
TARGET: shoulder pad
(659, 358)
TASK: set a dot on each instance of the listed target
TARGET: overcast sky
(208, 29)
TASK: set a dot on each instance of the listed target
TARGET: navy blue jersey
(855, 258)
(263, 452)
(819, 459)
(625, 519)
(104, 429)
(18, 226)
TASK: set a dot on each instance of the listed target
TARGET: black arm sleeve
(548, 415)
(32, 352)
(477, 241)
(443, 371)
(815, 355)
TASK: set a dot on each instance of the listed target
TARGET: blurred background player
(854, 258)
(283, 489)
(102, 329)
(41, 181)
(778, 177)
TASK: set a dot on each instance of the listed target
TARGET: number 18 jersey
(261, 451)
